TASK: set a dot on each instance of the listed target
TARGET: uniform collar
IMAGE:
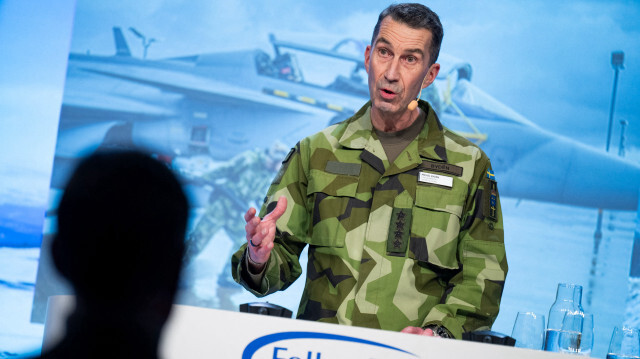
(431, 139)
(358, 132)
(359, 129)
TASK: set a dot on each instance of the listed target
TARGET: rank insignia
(399, 231)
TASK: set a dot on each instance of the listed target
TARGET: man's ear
(432, 73)
(367, 57)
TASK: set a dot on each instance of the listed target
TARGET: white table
(193, 332)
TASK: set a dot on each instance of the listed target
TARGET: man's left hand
(417, 330)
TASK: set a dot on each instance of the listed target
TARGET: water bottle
(568, 298)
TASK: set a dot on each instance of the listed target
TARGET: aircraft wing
(195, 87)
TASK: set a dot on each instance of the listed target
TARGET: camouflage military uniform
(387, 249)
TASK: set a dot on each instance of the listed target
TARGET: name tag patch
(433, 178)
(442, 168)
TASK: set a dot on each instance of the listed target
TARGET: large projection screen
(221, 91)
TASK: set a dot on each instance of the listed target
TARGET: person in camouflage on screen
(401, 215)
(237, 183)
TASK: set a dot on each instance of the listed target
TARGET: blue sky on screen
(34, 42)
(548, 61)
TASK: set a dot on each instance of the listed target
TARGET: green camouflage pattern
(385, 249)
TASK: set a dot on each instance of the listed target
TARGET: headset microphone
(414, 103)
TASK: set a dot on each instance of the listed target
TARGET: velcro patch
(343, 168)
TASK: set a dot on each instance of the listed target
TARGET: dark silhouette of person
(119, 243)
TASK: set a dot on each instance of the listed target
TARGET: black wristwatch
(439, 331)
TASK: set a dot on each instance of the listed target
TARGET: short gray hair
(416, 16)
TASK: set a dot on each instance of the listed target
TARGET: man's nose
(392, 72)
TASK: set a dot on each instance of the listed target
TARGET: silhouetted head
(416, 16)
(121, 226)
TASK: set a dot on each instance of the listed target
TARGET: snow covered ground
(17, 282)
(546, 244)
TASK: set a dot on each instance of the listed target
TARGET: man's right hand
(261, 233)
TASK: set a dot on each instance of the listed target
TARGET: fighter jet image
(220, 120)
(221, 104)
(209, 104)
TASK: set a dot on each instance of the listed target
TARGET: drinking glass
(625, 343)
(576, 335)
(528, 330)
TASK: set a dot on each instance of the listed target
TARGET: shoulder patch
(490, 175)
(490, 207)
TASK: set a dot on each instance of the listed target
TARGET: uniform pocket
(435, 226)
(330, 194)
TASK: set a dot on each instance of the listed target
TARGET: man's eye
(411, 59)
(383, 52)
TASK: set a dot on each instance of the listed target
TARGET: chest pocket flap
(436, 224)
(440, 199)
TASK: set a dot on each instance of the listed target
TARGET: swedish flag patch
(490, 175)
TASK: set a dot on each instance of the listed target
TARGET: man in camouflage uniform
(406, 238)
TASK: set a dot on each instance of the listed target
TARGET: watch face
(441, 332)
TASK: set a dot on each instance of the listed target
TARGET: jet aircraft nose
(567, 171)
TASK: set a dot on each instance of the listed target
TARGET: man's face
(398, 66)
